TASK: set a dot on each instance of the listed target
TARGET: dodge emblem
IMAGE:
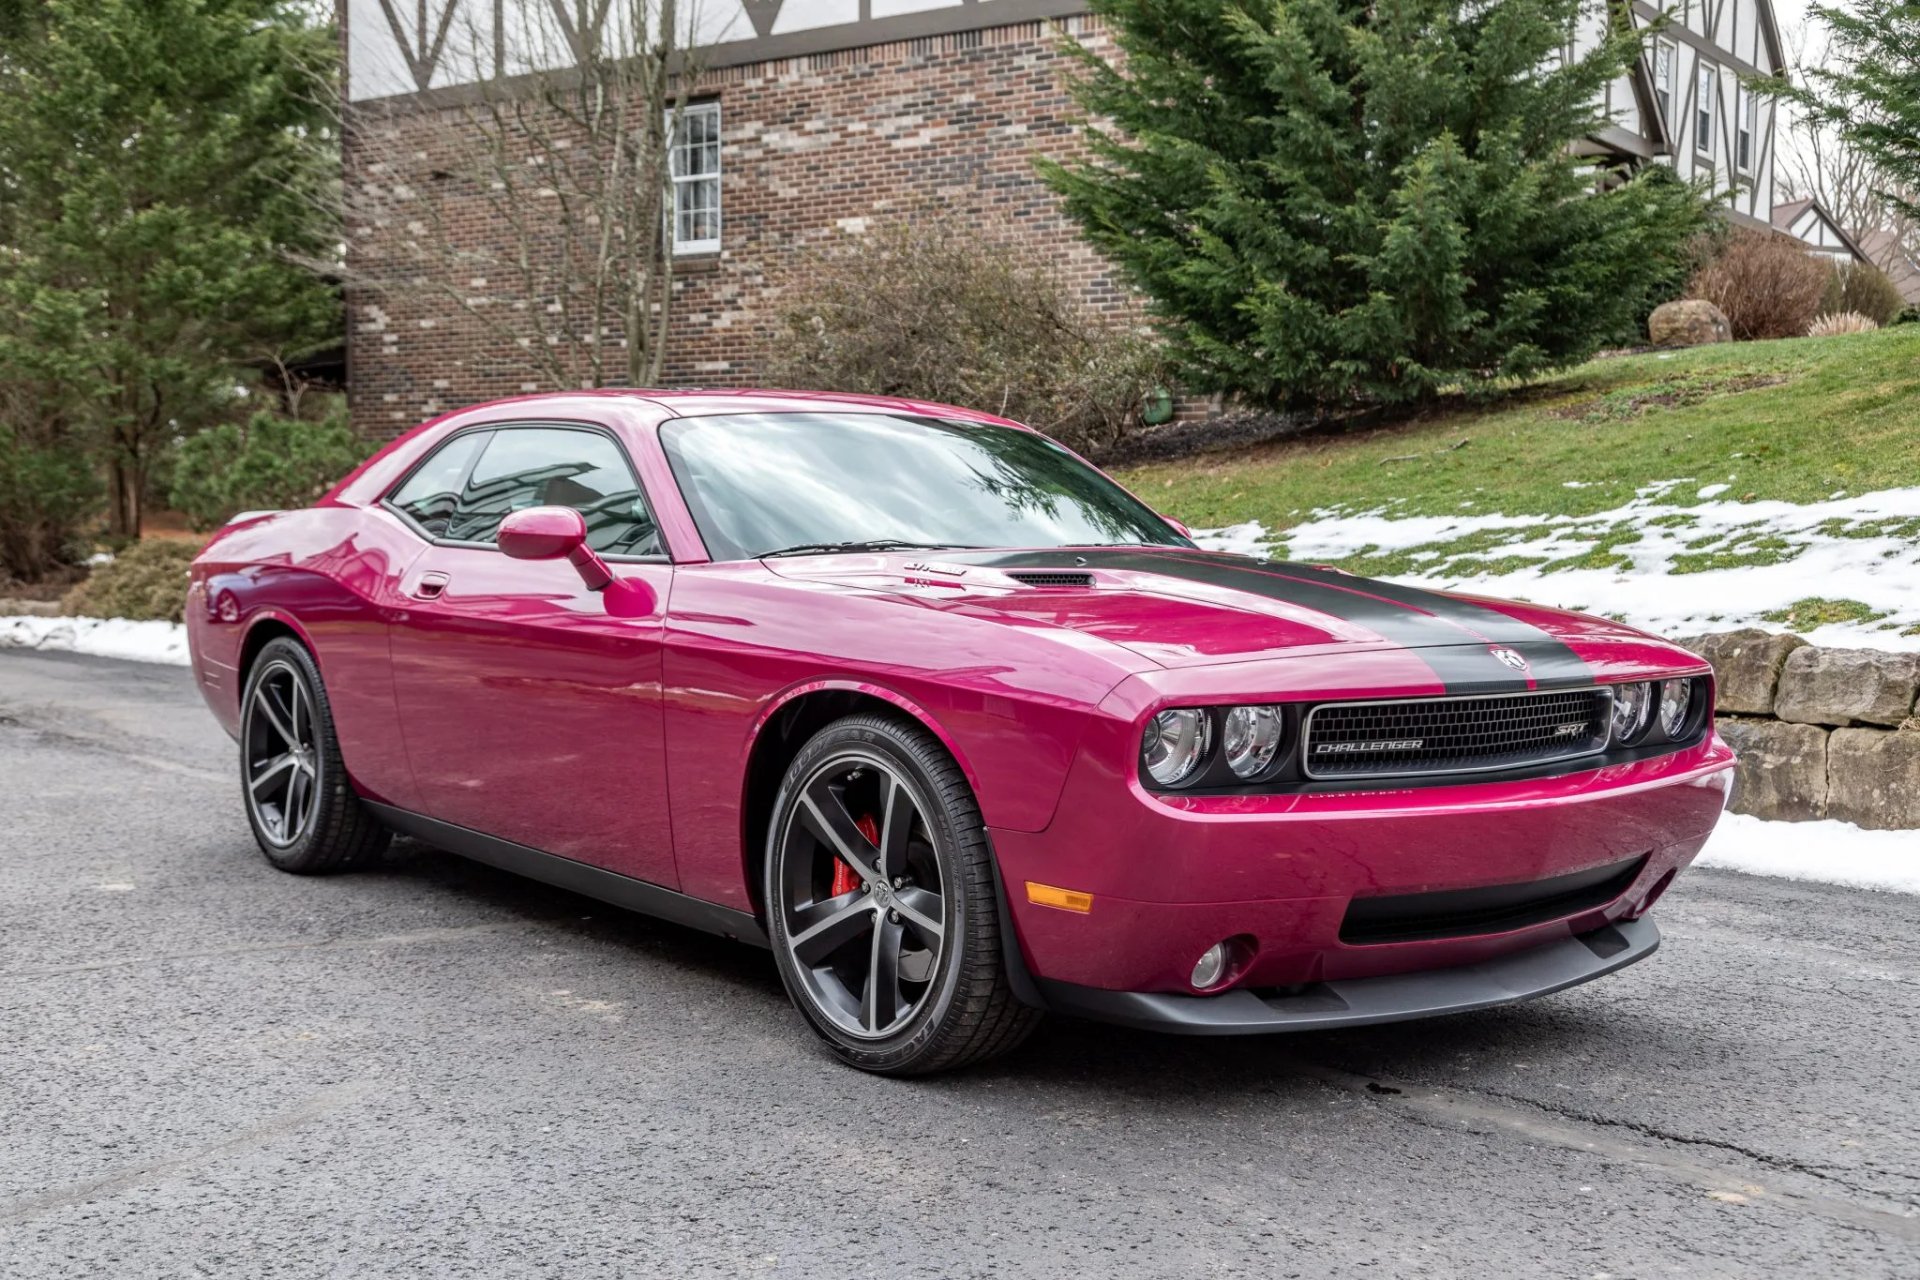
(1511, 659)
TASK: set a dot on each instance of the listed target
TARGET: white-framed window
(1748, 129)
(694, 220)
(1663, 59)
(1705, 93)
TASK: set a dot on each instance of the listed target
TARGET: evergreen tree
(1339, 201)
(162, 168)
(1868, 93)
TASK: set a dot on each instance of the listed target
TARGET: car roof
(681, 402)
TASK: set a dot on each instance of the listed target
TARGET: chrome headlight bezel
(1631, 714)
(1176, 746)
(1251, 738)
(1673, 706)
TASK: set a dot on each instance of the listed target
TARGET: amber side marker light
(1045, 895)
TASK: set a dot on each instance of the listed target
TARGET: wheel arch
(785, 727)
(269, 626)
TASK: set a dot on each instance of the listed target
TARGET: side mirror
(1178, 528)
(554, 533)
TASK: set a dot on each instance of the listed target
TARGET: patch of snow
(1830, 852)
(1249, 539)
(100, 557)
(1714, 490)
(1575, 484)
(1881, 570)
(102, 637)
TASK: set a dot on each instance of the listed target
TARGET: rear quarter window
(430, 496)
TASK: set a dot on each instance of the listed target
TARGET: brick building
(815, 119)
(823, 131)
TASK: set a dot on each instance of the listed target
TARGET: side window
(430, 494)
(557, 467)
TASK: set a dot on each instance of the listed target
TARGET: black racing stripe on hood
(1550, 663)
(1456, 638)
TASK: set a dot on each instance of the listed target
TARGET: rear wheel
(304, 813)
(881, 903)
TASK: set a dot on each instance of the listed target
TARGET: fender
(882, 692)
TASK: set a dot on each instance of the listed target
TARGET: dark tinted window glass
(763, 482)
(431, 493)
(556, 467)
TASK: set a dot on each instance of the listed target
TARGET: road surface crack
(319, 1104)
(1785, 1164)
(456, 933)
(1530, 1120)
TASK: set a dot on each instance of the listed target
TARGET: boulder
(1691, 322)
(1847, 686)
(1874, 778)
(1746, 667)
(1783, 769)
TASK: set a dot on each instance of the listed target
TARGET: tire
(303, 810)
(856, 948)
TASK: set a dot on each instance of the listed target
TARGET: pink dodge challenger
(953, 724)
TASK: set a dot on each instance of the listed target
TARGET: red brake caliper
(845, 878)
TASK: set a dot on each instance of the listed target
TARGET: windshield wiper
(872, 544)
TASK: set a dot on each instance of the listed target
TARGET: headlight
(1176, 745)
(1676, 706)
(1631, 703)
(1250, 739)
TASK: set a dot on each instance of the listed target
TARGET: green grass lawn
(1796, 420)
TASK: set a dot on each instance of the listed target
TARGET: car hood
(1179, 607)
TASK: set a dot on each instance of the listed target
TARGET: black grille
(1052, 579)
(1459, 913)
(1453, 735)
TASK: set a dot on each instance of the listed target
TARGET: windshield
(763, 483)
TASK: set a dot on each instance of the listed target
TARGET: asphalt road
(211, 1068)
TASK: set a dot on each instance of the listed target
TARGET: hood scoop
(1051, 578)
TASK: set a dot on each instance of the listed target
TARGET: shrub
(932, 311)
(147, 581)
(1767, 284)
(1862, 288)
(269, 463)
(1839, 322)
(47, 493)
(1337, 202)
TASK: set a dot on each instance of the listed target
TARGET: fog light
(1211, 968)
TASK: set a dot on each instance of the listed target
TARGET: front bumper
(1355, 1002)
(1167, 877)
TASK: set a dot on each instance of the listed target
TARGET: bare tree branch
(535, 211)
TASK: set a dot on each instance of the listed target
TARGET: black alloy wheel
(303, 810)
(282, 764)
(881, 903)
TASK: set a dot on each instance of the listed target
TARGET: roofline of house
(1771, 30)
(1846, 236)
(840, 38)
(1611, 139)
(1810, 202)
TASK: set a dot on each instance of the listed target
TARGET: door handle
(430, 586)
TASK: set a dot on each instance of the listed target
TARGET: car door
(530, 712)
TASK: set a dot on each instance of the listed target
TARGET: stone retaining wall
(1822, 733)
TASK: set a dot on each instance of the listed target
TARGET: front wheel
(881, 904)
(305, 814)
